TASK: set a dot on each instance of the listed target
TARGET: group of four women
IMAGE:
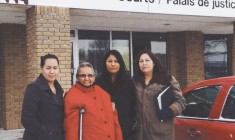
(116, 106)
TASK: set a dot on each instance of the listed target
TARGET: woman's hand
(113, 106)
(165, 114)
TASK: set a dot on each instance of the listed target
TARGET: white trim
(75, 54)
(187, 7)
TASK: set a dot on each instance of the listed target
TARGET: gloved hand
(165, 114)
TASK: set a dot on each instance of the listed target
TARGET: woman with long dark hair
(155, 123)
(115, 80)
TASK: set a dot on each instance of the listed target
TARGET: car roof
(221, 79)
(228, 79)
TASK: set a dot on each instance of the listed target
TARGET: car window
(199, 101)
(229, 107)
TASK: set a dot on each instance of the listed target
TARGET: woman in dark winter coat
(43, 108)
(115, 81)
(153, 122)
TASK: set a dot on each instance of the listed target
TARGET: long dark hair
(160, 73)
(122, 76)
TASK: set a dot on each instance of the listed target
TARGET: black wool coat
(43, 111)
(124, 97)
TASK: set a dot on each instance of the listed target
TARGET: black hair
(48, 56)
(160, 72)
(122, 73)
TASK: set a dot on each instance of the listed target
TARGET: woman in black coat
(116, 82)
(43, 108)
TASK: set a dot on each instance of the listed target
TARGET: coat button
(94, 98)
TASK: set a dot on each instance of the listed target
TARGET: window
(155, 42)
(199, 101)
(215, 56)
(121, 43)
(229, 107)
(92, 47)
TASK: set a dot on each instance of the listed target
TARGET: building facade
(194, 39)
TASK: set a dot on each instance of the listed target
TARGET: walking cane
(82, 111)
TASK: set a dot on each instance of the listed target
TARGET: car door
(194, 121)
(223, 127)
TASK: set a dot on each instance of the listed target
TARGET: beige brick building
(55, 29)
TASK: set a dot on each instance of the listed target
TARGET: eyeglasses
(84, 75)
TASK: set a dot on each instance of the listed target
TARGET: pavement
(15, 134)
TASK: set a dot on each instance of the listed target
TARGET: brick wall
(48, 31)
(13, 74)
(186, 57)
(177, 61)
(195, 57)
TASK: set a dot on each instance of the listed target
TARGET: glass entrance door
(154, 42)
(121, 42)
(92, 46)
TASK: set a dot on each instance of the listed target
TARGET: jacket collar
(85, 89)
(42, 83)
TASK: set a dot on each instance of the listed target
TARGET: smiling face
(86, 76)
(112, 65)
(146, 64)
(50, 70)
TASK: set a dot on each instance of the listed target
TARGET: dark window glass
(229, 107)
(199, 101)
(92, 47)
(215, 56)
(155, 42)
(72, 33)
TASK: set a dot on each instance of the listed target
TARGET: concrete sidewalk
(15, 134)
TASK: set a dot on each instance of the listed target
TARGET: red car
(210, 111)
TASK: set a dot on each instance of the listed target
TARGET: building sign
(219, 8)
(17, 1)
